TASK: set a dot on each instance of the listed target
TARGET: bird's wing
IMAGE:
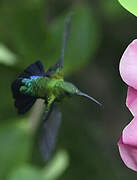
(59, 64)
(50, 128)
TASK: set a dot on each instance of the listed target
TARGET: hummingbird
(34, 83)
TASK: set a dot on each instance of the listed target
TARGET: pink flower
(128, 65)
(131, 101)
(128, 72)
(128, 145)
(128, 141)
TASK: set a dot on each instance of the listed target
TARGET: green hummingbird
(35, 83)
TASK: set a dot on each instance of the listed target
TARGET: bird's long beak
(89, 97)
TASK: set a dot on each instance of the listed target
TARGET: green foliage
(51, 172)
(32, 30)
(111, 9)
(57, 166)
(131, 5)
(15, 144)
(6, 56)
(26, 173)
(34, 38)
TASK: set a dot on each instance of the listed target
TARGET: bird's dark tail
(24, 102)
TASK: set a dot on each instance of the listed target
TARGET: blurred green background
(87, 140)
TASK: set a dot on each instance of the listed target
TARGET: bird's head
(71, 90)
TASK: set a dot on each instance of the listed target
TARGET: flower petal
(128, 65)
(131, 101)
(129, 135)
(128, 154)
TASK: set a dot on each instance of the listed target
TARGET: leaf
(14, 147)
(26, 172)
(52, 171)
(57, 166)
(6, 56)
(130, 5)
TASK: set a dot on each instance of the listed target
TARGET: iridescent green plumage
(48, 88)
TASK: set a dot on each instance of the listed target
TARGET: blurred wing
(59, 64)
(49, 132)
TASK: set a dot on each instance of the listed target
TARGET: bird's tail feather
(24, 102)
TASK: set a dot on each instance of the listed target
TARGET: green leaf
(130, 5)
(14, 147)
(57, 166)
(6, 56)
(26, 172)
(52, 171)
